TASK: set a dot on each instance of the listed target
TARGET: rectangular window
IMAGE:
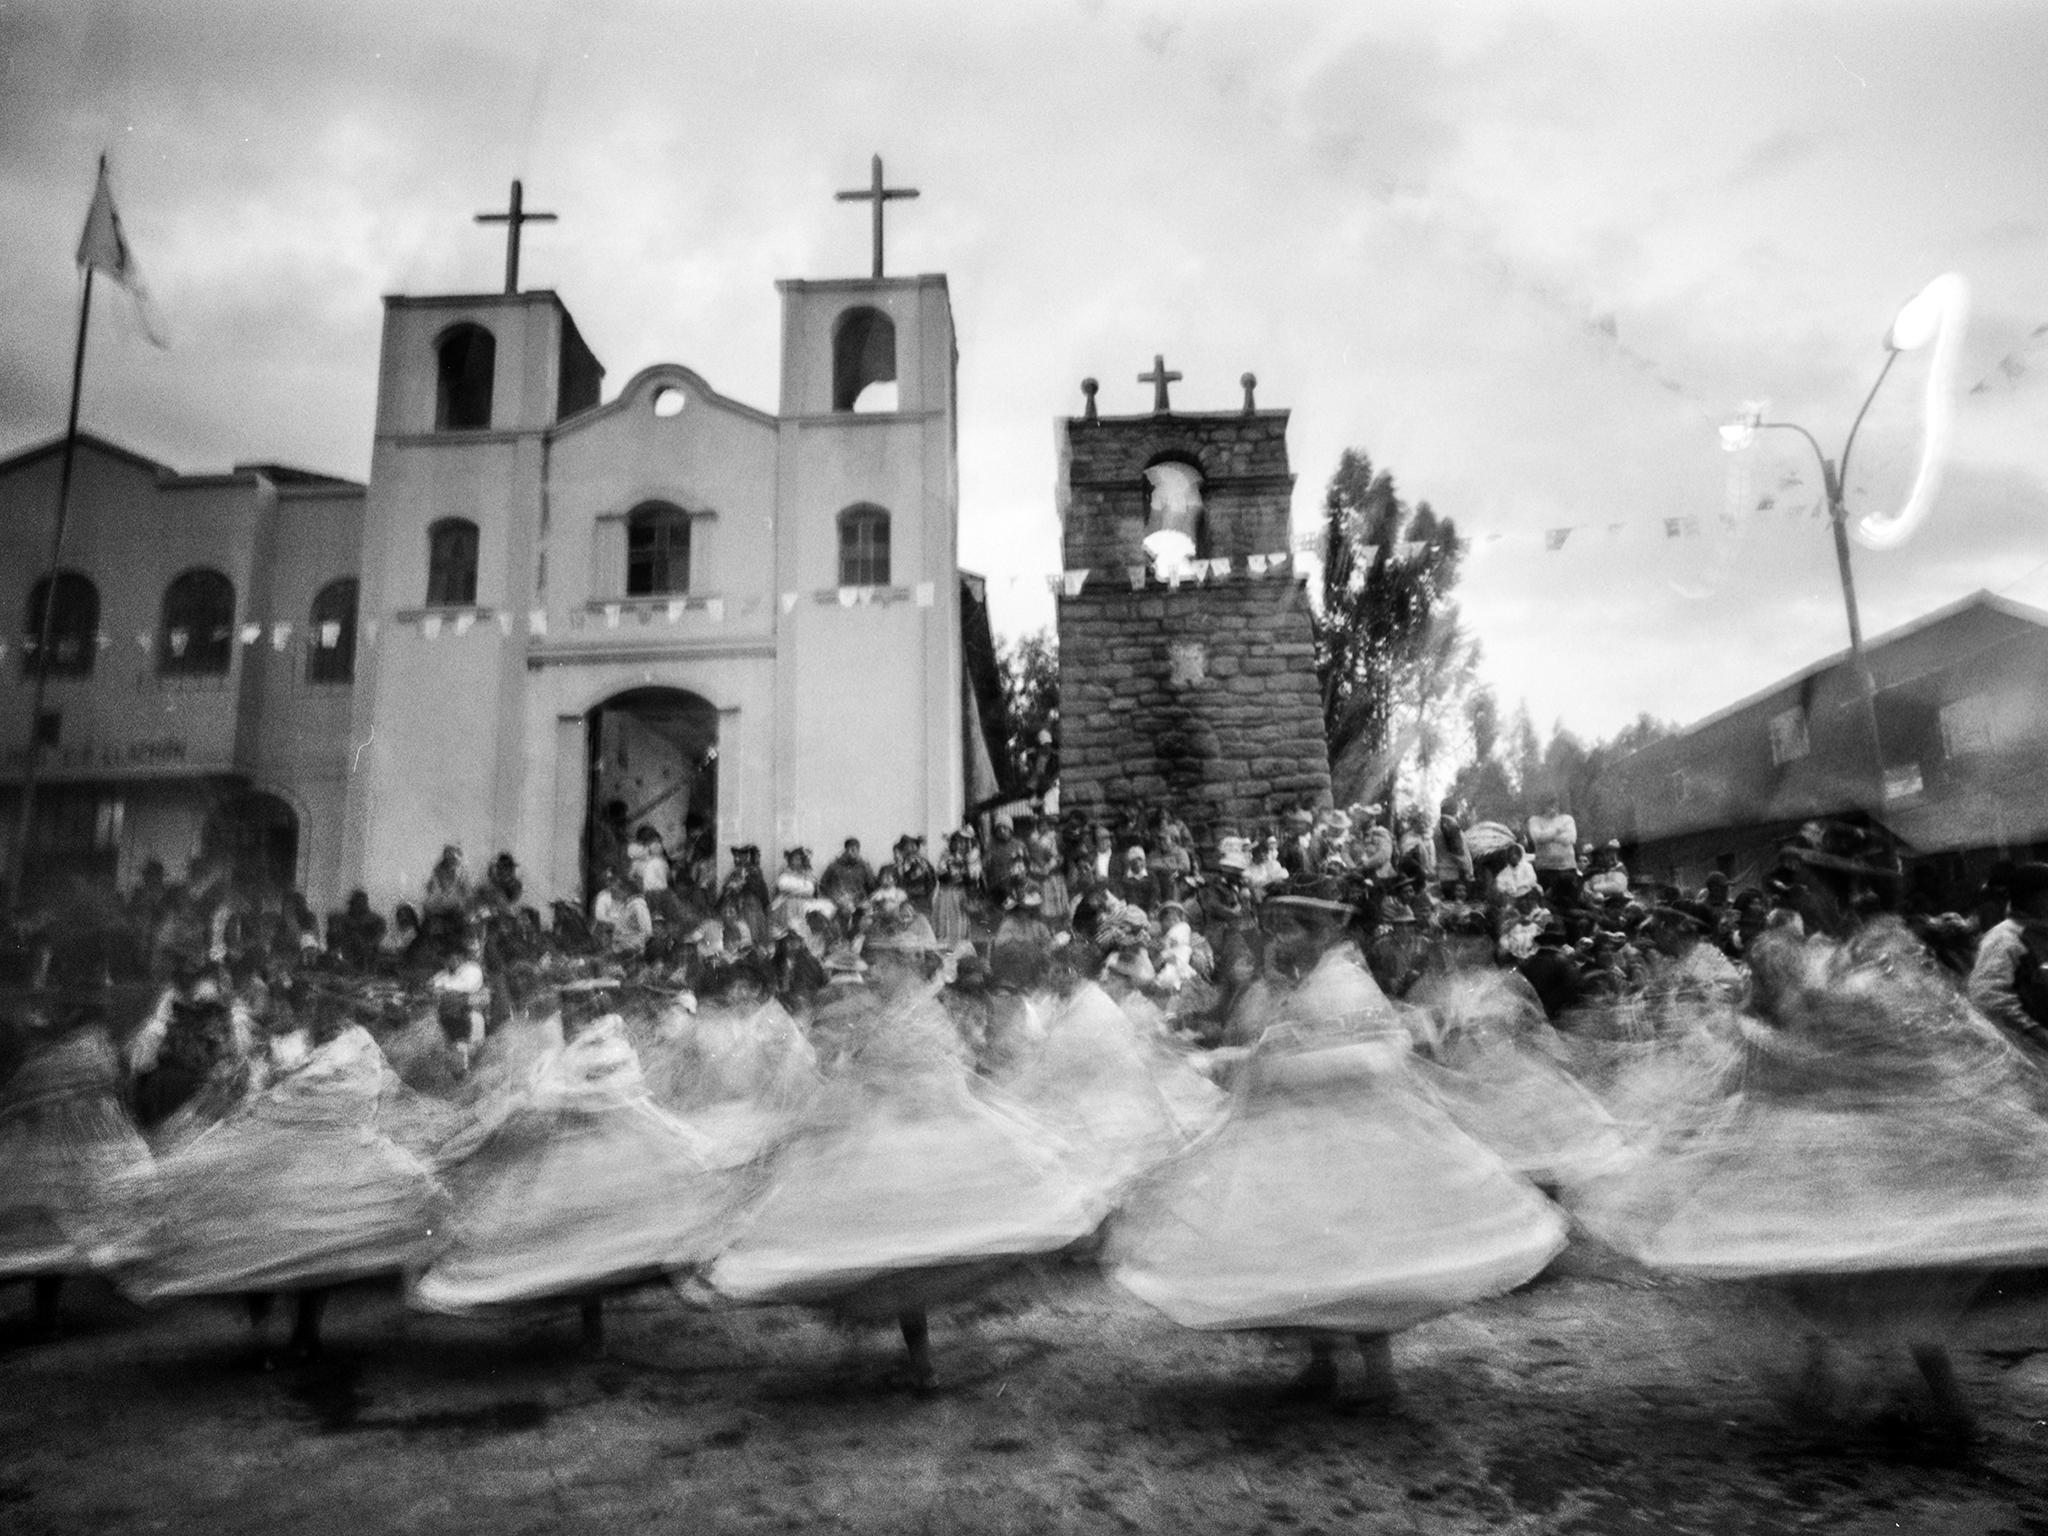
(864, 550)
(1788, 736)
(658, 555)
(1969, 725)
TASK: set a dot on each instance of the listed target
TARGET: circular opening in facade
(668, 401)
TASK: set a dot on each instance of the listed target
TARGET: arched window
(864, 361)
(197, 635)
(863, 547)
(468, 361)
(331, 650)
(657, 550)
(451, 563)
(1176, 523)
(74, 626)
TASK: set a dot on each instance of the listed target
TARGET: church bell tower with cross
(1187, 668)
(869, 490)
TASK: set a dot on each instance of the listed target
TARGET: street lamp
(1937, 314)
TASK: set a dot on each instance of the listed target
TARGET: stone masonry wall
(1202, 699)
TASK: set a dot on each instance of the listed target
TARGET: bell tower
(1187, 667)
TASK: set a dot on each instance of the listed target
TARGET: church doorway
(653, 763)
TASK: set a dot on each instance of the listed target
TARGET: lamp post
(1936, 314)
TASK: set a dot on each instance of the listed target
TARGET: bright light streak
(1940, 313)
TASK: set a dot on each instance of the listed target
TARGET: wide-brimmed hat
(844, 960)
(1297, 901)
(1234, 853)
(798, 855)
(1300, 818)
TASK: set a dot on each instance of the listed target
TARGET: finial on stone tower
(1159, 378)
(1250, 381)
(1088, 388)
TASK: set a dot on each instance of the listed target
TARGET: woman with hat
(1335, 1199)
(299, 1188)
(580, 1186)
(901, 1187)
(76, 1172)
(914, 871)
(957, 874)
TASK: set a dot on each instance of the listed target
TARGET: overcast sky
(1525, 256)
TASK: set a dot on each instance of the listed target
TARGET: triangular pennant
(1553, 538)
(180, 639)
(1368, 553)
(280, 636)
(714, 609)
(1256, 564)
(611, 615)
(430, 626)
(675, 610)
(251, 633)
(926, 593)
(1135, 575)
(330, 634)
(536, 621)
(464, 622)
(848, 596)
(788, 602)
(1071, 582)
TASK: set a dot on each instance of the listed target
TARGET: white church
(716, 620)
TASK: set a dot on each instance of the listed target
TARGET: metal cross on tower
(1159, 378)
(512, 218)
(878, 194)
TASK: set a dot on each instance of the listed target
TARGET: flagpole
(32, 757)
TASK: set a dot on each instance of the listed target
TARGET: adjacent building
(1957, 776)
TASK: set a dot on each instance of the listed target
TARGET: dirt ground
(1594, 1401)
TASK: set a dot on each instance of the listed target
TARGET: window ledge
(655, 602)
(443, 612)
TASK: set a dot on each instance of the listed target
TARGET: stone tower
(1196, 691)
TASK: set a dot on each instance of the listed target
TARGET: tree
(1031, 706)
(1391, 656)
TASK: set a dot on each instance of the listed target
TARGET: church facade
(666, 608)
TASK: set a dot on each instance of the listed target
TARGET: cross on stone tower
(512, 218)
(1159, 378)
(878, 194)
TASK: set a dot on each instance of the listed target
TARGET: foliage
(1393, 660)
(1507, 779)
(1031, 705)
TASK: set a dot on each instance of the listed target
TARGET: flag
(103, 248)
(1071, 582)
(926, 593)
(1553, 538)
(714, 609)
(536, 621)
